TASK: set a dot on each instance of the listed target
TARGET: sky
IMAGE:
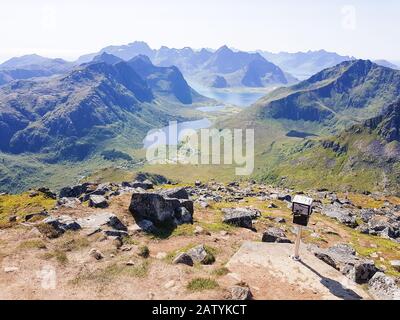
(68, 29)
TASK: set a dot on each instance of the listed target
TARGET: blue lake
(163, 134)
(241, 99)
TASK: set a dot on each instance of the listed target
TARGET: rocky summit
(166, 241)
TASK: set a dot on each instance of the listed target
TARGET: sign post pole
(297, 245)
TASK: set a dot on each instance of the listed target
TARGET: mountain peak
(224, 48)
(107, 58)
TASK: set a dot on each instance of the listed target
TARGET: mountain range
(31, 66)
(221, 68)
(56, 113)
(64, 116)
(351, 91)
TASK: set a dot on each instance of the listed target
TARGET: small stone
(96, 254)
(272, 206)
(374, 255)
(161, 255)
(169, 284)
(183, 258)
(280, 220)
(10, 269)
(395, 264)
(12, 219)
(198, 230)
(130, 263)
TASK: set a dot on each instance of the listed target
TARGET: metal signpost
(302, 210)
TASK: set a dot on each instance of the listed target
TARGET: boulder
(284, 197)
(161, 210)
(48, 193)
(183, 258)
(343, 258)
(98, 201)
(275, 235)
(241, 217)
(382, 226)
(62, 224)
(383, 287)
(100, 220)
(175, 193)
(239, 293)
(343, 215)
(201, 255)
(367, 214)
(75, 191)
(68, 202)
(145, 185)
(41, 214)
(142, 226)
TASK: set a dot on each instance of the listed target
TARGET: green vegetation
(113, 154)
(222, 271)
(201, 284)
(21, 205)
(32, 244)
(57, 254)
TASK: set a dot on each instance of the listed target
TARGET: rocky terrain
(143, 240)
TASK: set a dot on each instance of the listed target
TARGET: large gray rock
(68, 202)
(383, 227)
(275, 235)
(75, 191)
(201, 255)
(239, 293)
(343, 215)
(183, 258)
(161, 210)
(62, 224)
(98, 201)
(241, 217)
(383, 287)
(176, 193)
(145, 185)
(343, 258)
(367, 214)
(100, 220)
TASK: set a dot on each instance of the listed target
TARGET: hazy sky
(67, 29)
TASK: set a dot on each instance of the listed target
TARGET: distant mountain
(165, 81)
(125, 52)
(387, 64)
(303, 65)
(69, 116)
(349, 92)
(31, 66)
(364, 157)
(238, 69)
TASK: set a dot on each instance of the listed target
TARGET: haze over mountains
(222, 68)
